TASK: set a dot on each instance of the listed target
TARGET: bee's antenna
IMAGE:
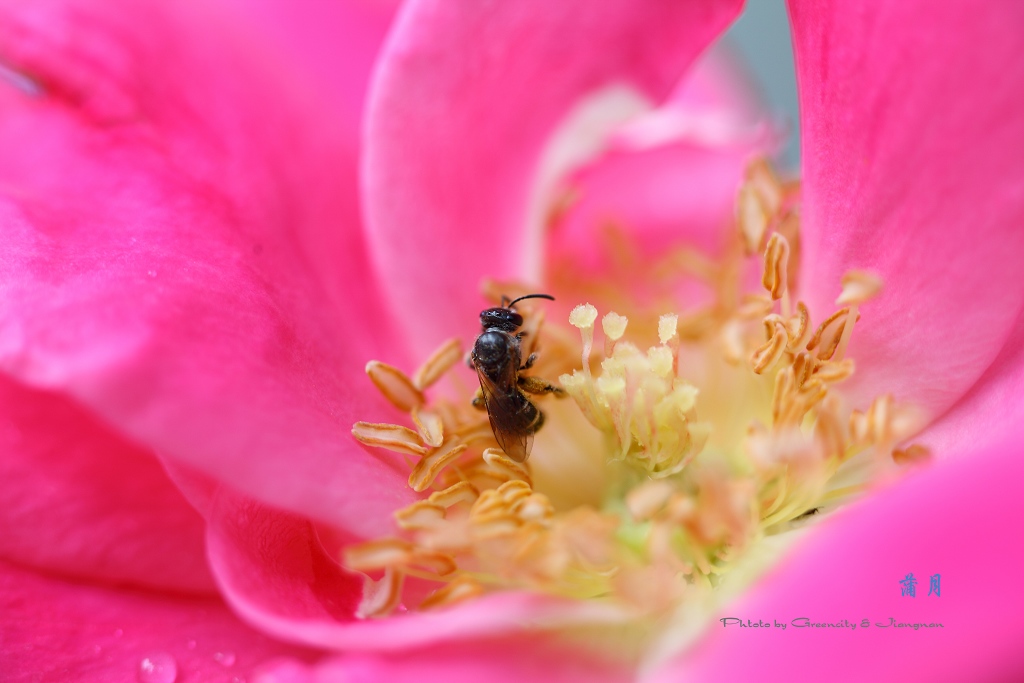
(530, 296)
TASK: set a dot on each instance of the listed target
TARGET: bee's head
(504, 319)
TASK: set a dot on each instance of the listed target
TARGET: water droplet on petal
(158, 668)
(225, 658)
(191, 644)
(118, 633)
(151, 273)
(96, 649)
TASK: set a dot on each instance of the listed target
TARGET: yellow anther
(804, 365)
(776, 266)
(439, 362)
(885, 423)
(762, 178)
(429, 425)
(380, 597)
(826, 338)
(461, 588)
(420, 515)
(831, 371)
(395, 385)
(392, 437)
(799, 327)
(771, 352)
(505, 466)
(489, 502)
(914, 454)
(378, 554)
(427, 469)
(752, 218)
(514, 490)
(859, 286)
(462, 492)
(433, 561)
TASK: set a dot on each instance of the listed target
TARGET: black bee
(497, 359)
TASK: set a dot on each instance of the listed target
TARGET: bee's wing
(505, 409)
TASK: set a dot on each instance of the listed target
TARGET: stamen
(421, 515)
(381, 597)
(461, 588)
(914, 454)
(505, 466)
(826, 338)
(776, 266)
(771, 353)
(392, 437)
(427, 469)
(462, 492)
(699, 462)
(799, 326)
(374, 555)
(394, 385)
(447, 355)
(858, 287)
(429, 425)
(752, 217)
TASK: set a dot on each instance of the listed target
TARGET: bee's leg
(529, 362)
(536, 385)
(478, 400)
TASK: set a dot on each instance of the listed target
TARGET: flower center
(669, 465)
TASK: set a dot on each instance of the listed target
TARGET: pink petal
(464, 102)
(667, 196)
(990, 412)
(508, 660)
(55, 630)
(962, 520)
(81, 501)
(912, 168)
(331, 44)
(274, 570)
(216, 305)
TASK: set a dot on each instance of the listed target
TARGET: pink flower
(188, 303)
